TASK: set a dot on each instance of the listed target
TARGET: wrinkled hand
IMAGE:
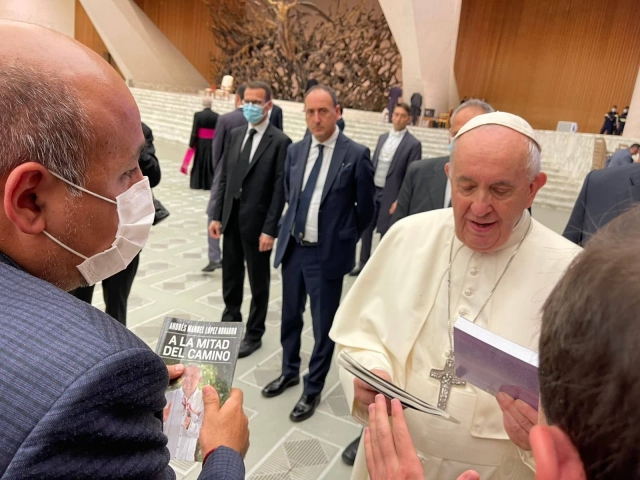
(365, 395)
(215, 229)
(394, 205)
(224, 426)
(519, 418)
(266, 243)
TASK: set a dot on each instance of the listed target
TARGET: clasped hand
(226, 426)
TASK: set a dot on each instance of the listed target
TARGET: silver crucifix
(447, 379)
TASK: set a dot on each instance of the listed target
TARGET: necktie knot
(252, 132)
(320, 148)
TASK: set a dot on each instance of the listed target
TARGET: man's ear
(556, 457)
(24, 194)
(447, 167)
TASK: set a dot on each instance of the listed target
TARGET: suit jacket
(276, 117)
(226, 123)
(619, 158)
(410, 149)
(262, 193)
(206, 118)
(605, 194)
(423, 188)
(346, 207)
(82, 396)
(148, 161)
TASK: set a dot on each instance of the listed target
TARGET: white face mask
(135, 217)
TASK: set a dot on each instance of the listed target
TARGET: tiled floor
(169, 282)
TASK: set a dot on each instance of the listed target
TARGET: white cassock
(395, 318)
(182, 441)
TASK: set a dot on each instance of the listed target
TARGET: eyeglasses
(257, 103)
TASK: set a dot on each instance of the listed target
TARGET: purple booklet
(494, 364)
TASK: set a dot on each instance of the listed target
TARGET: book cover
(209, 352)
(494, 364)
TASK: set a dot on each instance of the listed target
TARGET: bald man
(82, 397)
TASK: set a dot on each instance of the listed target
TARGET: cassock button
(468, 292)
(301, 235)
(463, 312)
(474, 271)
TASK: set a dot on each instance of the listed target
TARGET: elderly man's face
(490, 185)
(190, 380)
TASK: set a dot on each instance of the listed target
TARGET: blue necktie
(305, 199)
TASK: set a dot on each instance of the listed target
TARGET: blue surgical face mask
(253, 113)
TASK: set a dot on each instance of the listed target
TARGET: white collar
(399, 134)
(259, 128)
(330, 142)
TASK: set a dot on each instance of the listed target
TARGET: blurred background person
(202, 134)
(610, 120)
(623, 156)
(395, 151)
(226, 123)
(622, 120)
(395, 94)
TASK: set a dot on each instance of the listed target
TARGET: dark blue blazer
(82, 396)
(346, 208)
(605, 194)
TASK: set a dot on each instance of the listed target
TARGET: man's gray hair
(474, 102)
(534, 161)
(207, 102)
(42, 121)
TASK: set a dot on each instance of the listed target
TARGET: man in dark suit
(226, 123)
(416, 108)
(624, 156)
(610, 121)
(82, 395)
(605, 194)
(116, 289)
(248, 208)
(329, 189)
(393, 154)
(275, 117)
(425, 186)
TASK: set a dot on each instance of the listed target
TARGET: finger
(469, 475)
(527, 411)
(377, 453)
(384, 435)
(368, 453)
(236, 397)
(175, 371)
(211, 400)
(401, 435)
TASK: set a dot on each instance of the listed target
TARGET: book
(494, 364)
(390, 390)
(209, 352)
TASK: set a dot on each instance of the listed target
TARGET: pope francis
(486, 260)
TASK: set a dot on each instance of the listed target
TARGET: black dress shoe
(349, 454)
(212, 267)
(356, 271)
(304, 408)
(279, 385)
(247, 347)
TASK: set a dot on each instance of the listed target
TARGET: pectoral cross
(447, 379)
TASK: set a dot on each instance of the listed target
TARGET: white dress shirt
(447, 194)
(257, 137)
(311, 227)
(385, 157)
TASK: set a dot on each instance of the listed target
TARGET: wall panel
(549, 60)
(186, 24)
